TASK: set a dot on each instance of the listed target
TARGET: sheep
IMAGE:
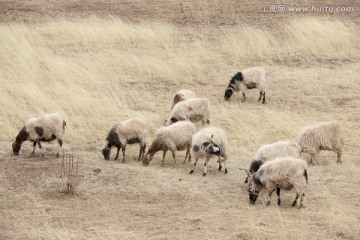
(182, 95)
(176, 137)
(209, 142)
(44, 128)
(130, 131)
(250, 78)
(195, 110)
(271, 151)
(285, 173)
(321, 136)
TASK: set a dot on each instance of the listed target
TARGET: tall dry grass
(98, 72)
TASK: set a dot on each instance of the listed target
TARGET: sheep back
(204, 135)
(182, 95)
(195, 109)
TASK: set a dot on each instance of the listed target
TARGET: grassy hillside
(100, 71)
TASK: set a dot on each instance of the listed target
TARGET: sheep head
(106, 152)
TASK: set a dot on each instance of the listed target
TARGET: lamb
(209, 142)
(130, 131)
(321, 136)
(250, 78)
(279, 173)
(176, 137)
(45, 128)
(271, 151)
(182, 95)
(195, 110)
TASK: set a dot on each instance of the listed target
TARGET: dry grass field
(101, 62)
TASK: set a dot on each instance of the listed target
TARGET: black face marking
(113, 138)
(255, 165)
(228, 93)
(106, 153)
(173, 119)
(16, 147)
(133, 140)
(253, 196)
(39, 131)
(196, 148)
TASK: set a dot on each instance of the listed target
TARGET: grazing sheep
(195, 110)
(247, 79)
(130, 131)
(285, 173)
(209, 142)
(182, 95)
(176, 137)
(321, 136)
(271, 151)
(45, 128)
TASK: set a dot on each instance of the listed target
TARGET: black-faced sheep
(274, 150)
(247, 79)
(45, 128)
(130, 131)
(182, 95)
(285, 173)
(321, 136)
(194, 110)
(176, 137)
(207, 143)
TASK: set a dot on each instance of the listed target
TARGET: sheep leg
(261, 93)
(313, 157)
(224, 159)
(244, 97)
(196, 160)
(117, 153)
(339, 154)
(174, 156)
(163, 159)
(278, 194)
(60, 145)
(295, 201)
(141, 153)
(270, 193)
(263, 101)
(123, 152)
(301, 201)
(34, 146)
(220, 166)
(206, 161)
(42, 151)
(187, 154)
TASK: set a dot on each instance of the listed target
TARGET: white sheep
(130, 131)
(250, 78)
(274, 150)
(45, 128)
(209, 142)
(176, 137)
(285, 173)
(321, 136)
(182, 95)
(194, 110)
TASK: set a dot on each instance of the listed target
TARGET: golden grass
(98, 72)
